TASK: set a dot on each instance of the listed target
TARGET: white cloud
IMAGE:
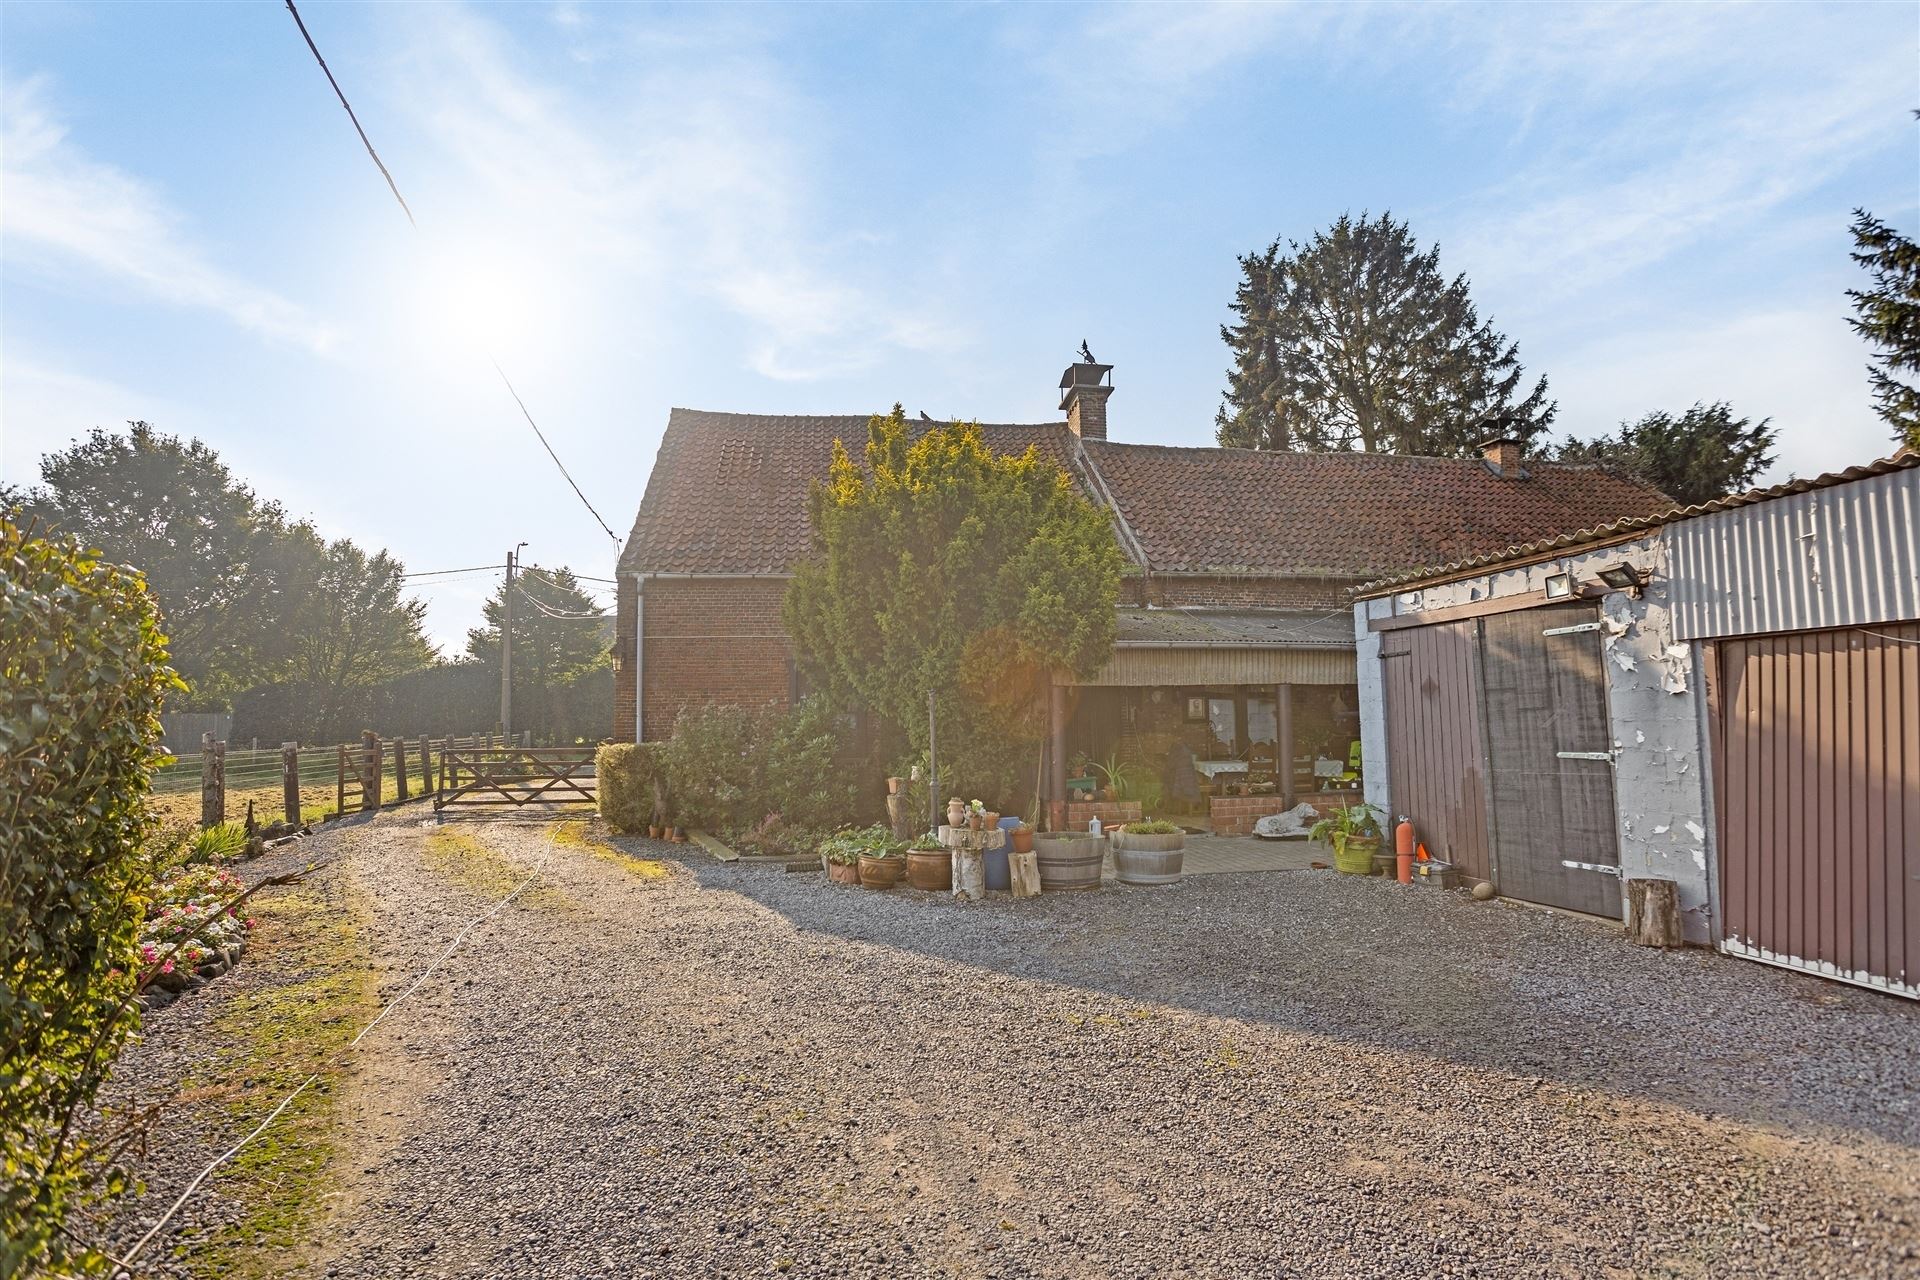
(45, 407)
(693, 178)
(65, 212)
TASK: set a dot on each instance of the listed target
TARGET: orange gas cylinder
(1403, 851)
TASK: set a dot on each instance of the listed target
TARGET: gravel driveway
(658, 1065)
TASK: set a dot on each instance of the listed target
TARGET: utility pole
(506, 652)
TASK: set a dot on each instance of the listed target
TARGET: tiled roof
(1669, 514)
(728, 493)
(1345, 515)
(1211, 628)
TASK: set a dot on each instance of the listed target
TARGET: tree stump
(1653, 913)
(899, 817)
(1025, 870)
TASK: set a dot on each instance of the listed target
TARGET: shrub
(630, 784)
(83, 672)
(183, 903)
(1153, 827)
(847, 847)
(804, 783)
(727, 767)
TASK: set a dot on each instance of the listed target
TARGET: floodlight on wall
(1560, 587)
(1622, 577)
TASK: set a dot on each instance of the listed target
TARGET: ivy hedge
(83, 672)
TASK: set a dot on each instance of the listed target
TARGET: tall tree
(559, 635)
(1701, 455)
(353, 629)
(1356, 341)
(1888, 316)
(940, 566)
(204, 540)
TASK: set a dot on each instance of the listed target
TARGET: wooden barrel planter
(1069, 862)
(1148, 859)
(879, 873)
(931, 870)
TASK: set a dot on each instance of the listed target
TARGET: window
(1222, 722)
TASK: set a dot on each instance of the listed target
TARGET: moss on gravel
(467, 861)
(580, 835)
(268, 1040)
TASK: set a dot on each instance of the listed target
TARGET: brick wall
(1081, 812)
(708, 639)
(1237, 592)
(1235, 815)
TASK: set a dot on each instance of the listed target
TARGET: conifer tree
(1888, 315)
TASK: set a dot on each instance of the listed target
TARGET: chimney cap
(1493, 443)
(1082, 373)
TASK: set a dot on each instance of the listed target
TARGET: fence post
(400, 770)
(290, 780)
(370, 761)
(213, 781)
(340, 789)
(426, 765)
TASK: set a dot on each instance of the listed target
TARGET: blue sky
(817, 209)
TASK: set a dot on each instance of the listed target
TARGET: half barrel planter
(1069, 862)
(1148, 859)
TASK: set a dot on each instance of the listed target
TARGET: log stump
(1653, 913)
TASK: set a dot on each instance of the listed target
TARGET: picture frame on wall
(1197, 708)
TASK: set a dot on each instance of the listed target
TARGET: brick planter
(1110, 812)
(1235, 815)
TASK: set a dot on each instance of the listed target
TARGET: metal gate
(1817, 801)
(516, 776)
(1549, 749)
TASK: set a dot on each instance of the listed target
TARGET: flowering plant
(183, 905)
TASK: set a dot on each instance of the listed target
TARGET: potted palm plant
(1355, 833)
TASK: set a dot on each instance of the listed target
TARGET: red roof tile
(1347, 515)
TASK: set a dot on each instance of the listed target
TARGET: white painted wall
(1655, 706)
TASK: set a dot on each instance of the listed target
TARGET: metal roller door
(1817, 799)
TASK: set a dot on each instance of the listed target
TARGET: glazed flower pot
(1353, 855)
(930, 869)
(843, 872)
(879, 873)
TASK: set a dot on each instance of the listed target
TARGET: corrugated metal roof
(1838, 556)
(1901, 461)
(1145, 666)
(1257, 628)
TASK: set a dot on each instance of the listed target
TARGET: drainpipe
(640, 657)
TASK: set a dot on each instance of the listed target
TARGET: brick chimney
(1502, 456)
(1084, 389)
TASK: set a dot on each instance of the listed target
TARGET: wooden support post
(1283, 742)
(1057, 735)
(426, 764)
(290, 780)
(340, 787)
(369, 770)
(400, 770)
(1653, 913)
(213, 781)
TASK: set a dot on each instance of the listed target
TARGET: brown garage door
(1817, 791)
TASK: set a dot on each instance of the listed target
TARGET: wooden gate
(1436, 754)
(1817, 801)
(516, 776)
(1549, 748)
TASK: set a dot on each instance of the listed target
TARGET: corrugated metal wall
(1435, 746)
(181, 730)
(1847, 555)
(1225, 665)
(1817, 791)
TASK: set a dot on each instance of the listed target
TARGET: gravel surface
(684, 1068)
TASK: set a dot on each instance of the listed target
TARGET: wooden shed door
(1435, 748)
(1817, 796)
(1550, 754)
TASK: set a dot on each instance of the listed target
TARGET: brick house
(1234, 634)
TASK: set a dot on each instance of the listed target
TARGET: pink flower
(167, 967)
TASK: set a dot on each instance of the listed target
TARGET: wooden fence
(365, 775)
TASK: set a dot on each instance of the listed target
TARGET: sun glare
(480, 298)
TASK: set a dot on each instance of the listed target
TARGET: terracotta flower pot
(843, 872)
(930, 869)
(956, 812)
(893, 786)
(880, 873)
(653, 833)
(1023, 839)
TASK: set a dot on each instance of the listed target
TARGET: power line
(395, 188)
(439, 573)
(555, 613)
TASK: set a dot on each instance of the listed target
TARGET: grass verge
(269, 1038)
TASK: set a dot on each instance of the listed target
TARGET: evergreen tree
(560, 635)
(1356, 341)
(1888, 315)
(1703, 454)
(942, 567)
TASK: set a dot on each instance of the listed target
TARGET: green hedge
(83, 671)
(627, 772)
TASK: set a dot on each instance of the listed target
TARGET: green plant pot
(1353, 855)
